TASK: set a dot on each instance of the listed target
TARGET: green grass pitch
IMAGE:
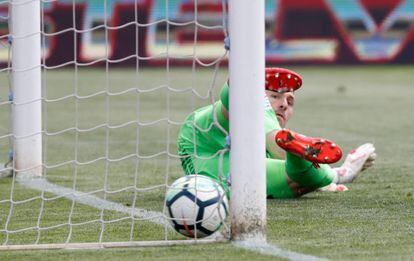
(350, 105)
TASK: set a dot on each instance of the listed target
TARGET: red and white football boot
(315, 150)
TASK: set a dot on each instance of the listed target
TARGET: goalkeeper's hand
(356, 161)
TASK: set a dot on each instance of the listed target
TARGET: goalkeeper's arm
(272, 148)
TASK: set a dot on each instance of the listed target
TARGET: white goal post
(115, 181)
(26, 86)
(247, 156)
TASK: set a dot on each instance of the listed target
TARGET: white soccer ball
(196, 206)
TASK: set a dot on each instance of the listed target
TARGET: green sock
(305, 174)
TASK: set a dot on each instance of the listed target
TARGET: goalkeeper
(295, 164)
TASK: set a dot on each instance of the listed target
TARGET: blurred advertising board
(312, 31)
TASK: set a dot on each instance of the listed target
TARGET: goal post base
(35, 172)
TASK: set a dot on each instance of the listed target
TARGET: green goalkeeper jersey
(203, 139)
(203, 146)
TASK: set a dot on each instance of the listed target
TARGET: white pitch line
(42, 184)
(91, 200)
(272, 250)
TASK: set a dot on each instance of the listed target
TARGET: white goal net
(93, 94)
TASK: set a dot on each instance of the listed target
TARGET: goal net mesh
(118, 80)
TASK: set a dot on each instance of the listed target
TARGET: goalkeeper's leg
(319, 150)
(295, 177)
(303, 172)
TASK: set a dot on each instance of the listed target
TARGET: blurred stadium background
(313, 31)
(357, 60)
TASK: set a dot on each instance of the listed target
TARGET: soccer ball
(196, 206)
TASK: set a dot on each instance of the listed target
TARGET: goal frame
(247, 155)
